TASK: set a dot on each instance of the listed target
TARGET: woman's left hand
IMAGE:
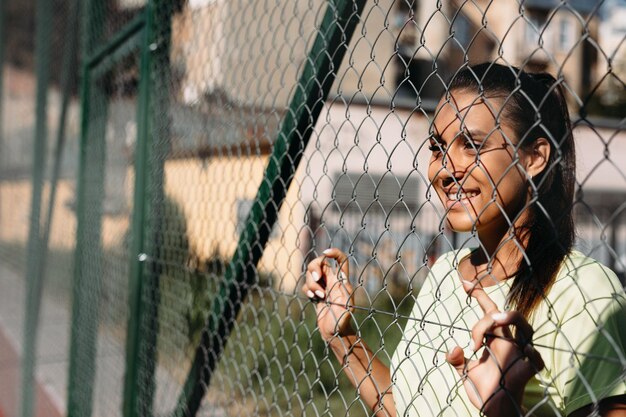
(495, 381)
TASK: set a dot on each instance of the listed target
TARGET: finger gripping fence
(312, 208)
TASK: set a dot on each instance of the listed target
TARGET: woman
(521, 324)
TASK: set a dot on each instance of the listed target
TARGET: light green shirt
(580, 331)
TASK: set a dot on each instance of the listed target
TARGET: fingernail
(476, 346)
(468, 283)
(319, 293)
(498, 316)
(327, 251)
(342, 276)
(316, 276)
(310, 294)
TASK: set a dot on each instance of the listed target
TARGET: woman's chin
(461, 225)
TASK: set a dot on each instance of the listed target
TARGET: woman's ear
(538, 157)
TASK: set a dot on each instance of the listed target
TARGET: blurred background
(171, 166)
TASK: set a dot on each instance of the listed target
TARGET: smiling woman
(522, 324)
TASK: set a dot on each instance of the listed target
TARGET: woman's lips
(464, 198)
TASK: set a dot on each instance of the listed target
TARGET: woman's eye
(436, 147)
(471, 146)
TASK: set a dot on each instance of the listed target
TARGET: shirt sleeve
(590, 355)
(602, 366)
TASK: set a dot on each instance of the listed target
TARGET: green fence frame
(43, 31)
(84, 316)
(149, 35)
(84, 322)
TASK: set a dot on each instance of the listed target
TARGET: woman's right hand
(332, 290)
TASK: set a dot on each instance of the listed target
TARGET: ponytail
(536, 108)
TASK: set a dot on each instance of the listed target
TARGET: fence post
(68, 80)
(318, 74)
(43, 30)
(152, 136)
(36, 281)
(89, 187)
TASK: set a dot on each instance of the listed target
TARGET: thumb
(456, 358)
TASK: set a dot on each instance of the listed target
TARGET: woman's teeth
(461, 196)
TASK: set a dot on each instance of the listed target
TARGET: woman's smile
(457, 198)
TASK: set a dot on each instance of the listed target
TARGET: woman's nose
(452, 161)
(449, 178)
(454, 166)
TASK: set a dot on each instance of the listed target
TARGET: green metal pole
(68, 79)
(136, 265)
(43, 31)
(316, 79)
(89, 196)
(152, 139)
(88, 260)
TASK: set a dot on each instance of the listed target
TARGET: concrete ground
(51, 372)
(53, 360)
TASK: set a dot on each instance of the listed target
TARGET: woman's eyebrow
(475, 133)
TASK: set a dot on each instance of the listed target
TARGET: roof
(203, 130)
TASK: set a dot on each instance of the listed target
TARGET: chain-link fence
(169, 169)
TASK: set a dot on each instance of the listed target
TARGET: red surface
(10, 382)
(9, 376)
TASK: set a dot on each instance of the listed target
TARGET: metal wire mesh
(226, 144)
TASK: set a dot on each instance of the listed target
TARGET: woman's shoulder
(587, 273)
(584, 281)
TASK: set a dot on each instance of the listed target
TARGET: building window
(414, 76)
(601, 227)
(566, 35)
(405, 25)
(535, 29)
(462, 31)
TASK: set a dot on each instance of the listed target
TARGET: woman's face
(474, 167)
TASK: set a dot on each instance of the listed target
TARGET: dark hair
(535, 107)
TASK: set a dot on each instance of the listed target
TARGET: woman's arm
(366, 372)
(331, 289)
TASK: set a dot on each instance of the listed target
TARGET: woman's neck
(496, 259)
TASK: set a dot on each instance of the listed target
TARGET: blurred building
(538, 36)
(612, 67)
